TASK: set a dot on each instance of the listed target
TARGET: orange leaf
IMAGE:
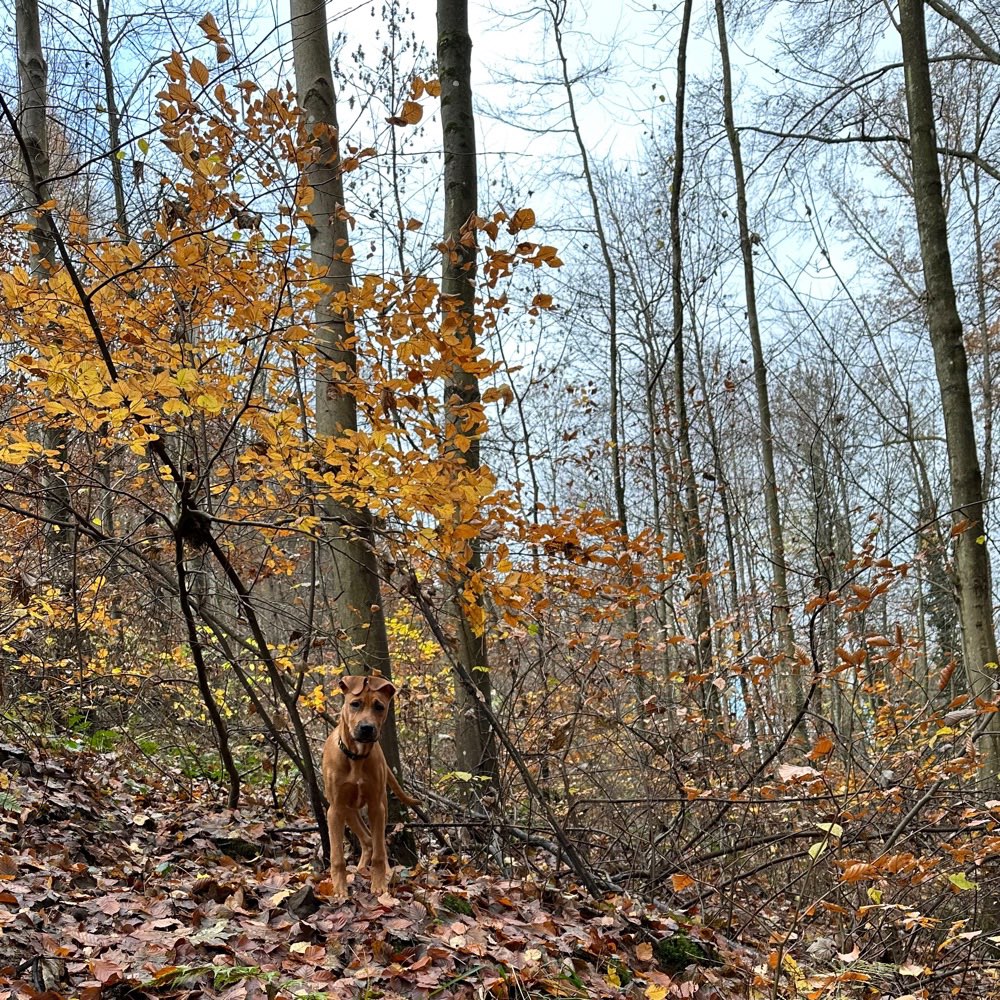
(210, 26)
(199, 71)
(858, 871)
(823, 746)
(433, 87)
(524, 218)
(412, 112)
(681, 882)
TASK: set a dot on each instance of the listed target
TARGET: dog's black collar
(350, 754)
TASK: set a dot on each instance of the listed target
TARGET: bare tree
(779, 571)
(697, 549)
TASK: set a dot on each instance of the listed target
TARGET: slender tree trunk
(741, 626)
(215, 715)
(114, 116)
(33, 84)
(972, 566)
(974, 194)
(698, 552)
(358, 593)
(779, 576)
(474, 741)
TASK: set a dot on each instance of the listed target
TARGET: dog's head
(366, 705)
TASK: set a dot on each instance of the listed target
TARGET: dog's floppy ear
(382, 686)
(352, 684)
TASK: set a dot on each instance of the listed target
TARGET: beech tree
(33, 143)
(972, 565)
(475, 744)
(782, 604)
(358, 602)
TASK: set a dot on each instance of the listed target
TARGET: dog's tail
(397, 789)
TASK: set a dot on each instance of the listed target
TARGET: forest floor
(117, 883)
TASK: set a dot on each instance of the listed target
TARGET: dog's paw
(330, 888)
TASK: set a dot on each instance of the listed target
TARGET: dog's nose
(367, 732)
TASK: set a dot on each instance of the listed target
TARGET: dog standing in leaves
(355, 775)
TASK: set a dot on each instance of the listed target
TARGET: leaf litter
(115, 886)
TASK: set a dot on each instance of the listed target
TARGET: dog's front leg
(379, 860)
(357, 824)
(338, 866)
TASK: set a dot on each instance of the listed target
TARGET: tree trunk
(972, 566)
(695, 533)
(781, 604)
(33, 85)
(358, 604)
(474, 742)
(114, 116)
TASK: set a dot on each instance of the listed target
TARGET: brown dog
(355, 775)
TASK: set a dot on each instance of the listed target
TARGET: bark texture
(357, 591)
(474, 741)
(972, 566)
(32, 72)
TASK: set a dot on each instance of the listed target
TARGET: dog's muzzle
(366, 734)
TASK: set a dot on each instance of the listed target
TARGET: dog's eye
(355, 704)
(379, 707)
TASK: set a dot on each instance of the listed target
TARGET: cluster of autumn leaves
(194, 339)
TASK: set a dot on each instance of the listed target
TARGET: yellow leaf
(654, 991)
(177, 407)
(186, 378)
(612, 977)
(209, 402)
(960, 881)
